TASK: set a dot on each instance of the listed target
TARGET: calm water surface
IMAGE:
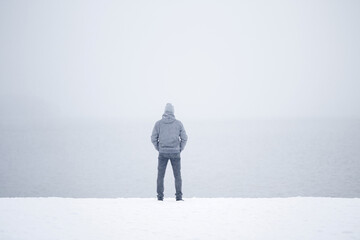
(243, 158)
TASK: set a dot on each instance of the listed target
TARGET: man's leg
(162, 163)
(176, 166)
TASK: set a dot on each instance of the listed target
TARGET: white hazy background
(268, 92)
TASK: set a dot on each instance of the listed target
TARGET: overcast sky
(211, 59)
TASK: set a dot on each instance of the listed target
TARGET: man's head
(169, 108)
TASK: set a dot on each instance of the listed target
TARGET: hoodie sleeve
(155, 136)
(183, 137)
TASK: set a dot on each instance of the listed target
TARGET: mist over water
(243, 158)
(212, 60)
(268, 93)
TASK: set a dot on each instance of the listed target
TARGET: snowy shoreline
(195, 218)
(171, 198)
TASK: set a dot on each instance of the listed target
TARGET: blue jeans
(176, 166)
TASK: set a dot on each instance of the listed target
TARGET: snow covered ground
(195, 218)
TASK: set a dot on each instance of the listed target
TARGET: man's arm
(183, 137)
(155, 136)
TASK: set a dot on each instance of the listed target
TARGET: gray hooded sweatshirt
(169, 135)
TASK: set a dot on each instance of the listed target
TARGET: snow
(195, 218)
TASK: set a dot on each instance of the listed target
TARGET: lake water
(239, 158)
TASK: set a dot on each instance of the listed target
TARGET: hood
(168, 117)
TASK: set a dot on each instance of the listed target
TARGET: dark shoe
(179, 199)
(160, 199)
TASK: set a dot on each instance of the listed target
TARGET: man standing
(169, 138)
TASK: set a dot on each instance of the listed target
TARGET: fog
(211, 59)
(268, 92)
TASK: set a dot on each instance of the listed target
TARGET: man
(169, 138)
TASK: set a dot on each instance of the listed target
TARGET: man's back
(169, 135)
